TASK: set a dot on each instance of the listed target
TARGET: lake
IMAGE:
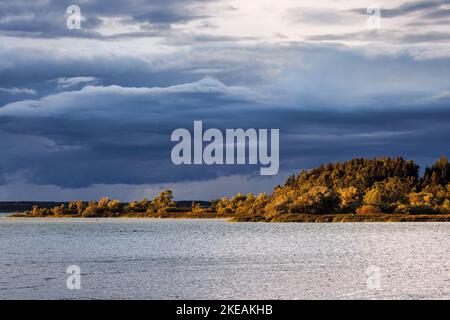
(215, 259)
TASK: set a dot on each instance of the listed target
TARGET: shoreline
(343, 218)
(300, 218)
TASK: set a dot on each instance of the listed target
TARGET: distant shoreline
(303, 218)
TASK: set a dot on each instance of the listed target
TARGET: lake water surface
(215, 259)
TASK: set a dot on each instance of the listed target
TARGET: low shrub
(368, 209)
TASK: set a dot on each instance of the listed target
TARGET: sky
(88, 112)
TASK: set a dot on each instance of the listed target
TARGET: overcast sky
(86, 113)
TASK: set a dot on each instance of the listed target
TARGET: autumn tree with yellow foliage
(363, 186)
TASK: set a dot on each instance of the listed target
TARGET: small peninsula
(360, 190)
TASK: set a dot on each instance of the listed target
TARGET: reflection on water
(206, 259)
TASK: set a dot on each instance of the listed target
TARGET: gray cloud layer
(47, 19)
(101, 121)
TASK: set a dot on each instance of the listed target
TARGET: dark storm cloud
(47, 19)
(330, 103)
(42, 19)
(40, 68)
(81, 152)
(105, 135)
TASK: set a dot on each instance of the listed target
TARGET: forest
(380, 186)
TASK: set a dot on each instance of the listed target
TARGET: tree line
(362, 186)
(107, 207)
(357, 186)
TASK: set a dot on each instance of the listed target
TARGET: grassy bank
(168, 215)
(308, 218)
(342, 218)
